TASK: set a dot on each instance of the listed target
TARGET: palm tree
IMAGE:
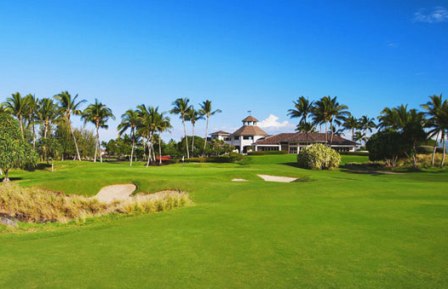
(47, 114)
(366, 124)
(16, 105)
(129, 121)
(148, 121)
(306, 127)
(98, 114)
(437, 112)
(30, 115)
(193, 116)
(182, 108)
(351, 123)
(70, 106)
(207, 111)
(302, 109)
(163, 124)
(329, 111)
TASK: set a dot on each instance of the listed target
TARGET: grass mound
(39, 206)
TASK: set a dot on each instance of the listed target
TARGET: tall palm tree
(98, 114)
(182, 108)
(47, 113)
(306, 127)
(16, 105)
(351, 123)
(163, 124)
(328, 111)
(207, 111)
(366, 124)
(129, 121)
(30, 115)
(70, 106)
(437, 112)
(302, 109)
(148, 121)
(193, 116)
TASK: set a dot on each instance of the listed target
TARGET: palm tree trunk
(132, 149)
(443, 150)
(74, 141)
(149, 152)
(326, 133)
(186, 138)
(433, 159)
(206, 134)
(97, 144)
(160, 150)
(192, 139)
(21, 126)
(34, 136)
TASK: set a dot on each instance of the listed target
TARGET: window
(248, 137)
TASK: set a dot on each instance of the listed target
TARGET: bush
(262, 153)
(318, 156)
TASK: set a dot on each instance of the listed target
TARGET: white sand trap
(277, 179)
(239, 180)
(115, 193)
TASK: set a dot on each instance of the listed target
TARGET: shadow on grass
(11, 179)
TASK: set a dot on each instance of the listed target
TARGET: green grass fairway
(334, 229)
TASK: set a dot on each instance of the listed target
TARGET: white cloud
(272, 122)
(436, 15)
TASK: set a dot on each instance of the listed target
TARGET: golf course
(336, 228)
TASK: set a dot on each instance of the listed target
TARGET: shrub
(318, 156)
(229, 158)
(425, 149)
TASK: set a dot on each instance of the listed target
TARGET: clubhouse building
(250, 137)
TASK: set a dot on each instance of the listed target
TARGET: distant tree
(149, 118)
(302, 109)
(437, 112)
(352, 124)
(182, 108)
(14, 151)
(30, 114)
(16, 105)
(366, 124)
(193, 116)
(47, 114)
(163, 124)
(207, 111)
(98, 114)
(329, 112)
(129, 121)
(70, 106)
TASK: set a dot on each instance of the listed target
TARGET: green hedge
(230, 158)
(263, 153)
(360, 153)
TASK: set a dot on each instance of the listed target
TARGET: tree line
(46, 124)
(399, 130)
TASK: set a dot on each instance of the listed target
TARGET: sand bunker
(239, 180)
(277, 179)
(115, 193)
(123, 193)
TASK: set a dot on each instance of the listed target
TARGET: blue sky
(243, 55)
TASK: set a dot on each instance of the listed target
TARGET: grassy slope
(339, 230)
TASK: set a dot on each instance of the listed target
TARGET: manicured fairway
(333, 229)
